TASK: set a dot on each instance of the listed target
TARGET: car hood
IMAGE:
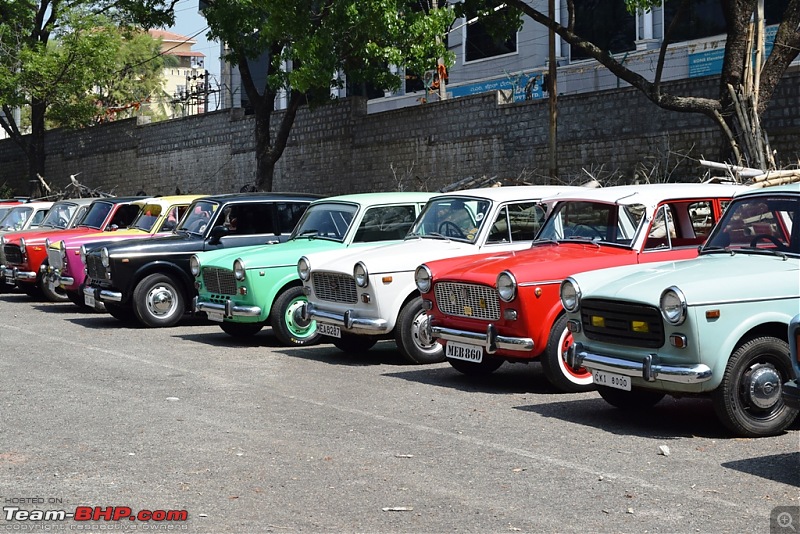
(180, 242)
(266, 256)
(538, 263)
(707, 278)
(396, 257)
(39, 236)
(90, 239)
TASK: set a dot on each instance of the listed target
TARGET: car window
(199, 217)
(517, 222)
(289, 214)
(38, 217)
(96, 215)
(125, 215)
(147, 217)
(457, 218)
(600, 221)
(248, 218)
(758, 223)
(385, 222)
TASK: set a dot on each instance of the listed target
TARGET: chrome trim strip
(489, 340)
(228, 309)
(347, 320)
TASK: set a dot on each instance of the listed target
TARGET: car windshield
(326, 220)
(59, 215)
(758, 225)
(147, 217)
(452, 217)
(15, 219)
(96, 215)
(574, 220)
(200, 215)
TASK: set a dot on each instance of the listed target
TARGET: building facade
(186, 83)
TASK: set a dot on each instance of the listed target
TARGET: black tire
(158, 301)
(353, 343)
(241, 330)
(5, 288)
(287, 324)
(77, 299)
(410, 334)
(32, 290)
(748, 400)
(121, 313)
(554, 363)
(486, 367)
(636, 400)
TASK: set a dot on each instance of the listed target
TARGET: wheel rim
(293, 318)
(581, 376)
(161, 300)
(761, 387)
(419, 332)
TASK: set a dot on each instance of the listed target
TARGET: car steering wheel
(451, 229)
(771, 238)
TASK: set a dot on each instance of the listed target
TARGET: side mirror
(217, 233)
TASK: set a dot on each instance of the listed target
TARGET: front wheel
(554, 361)
(636, 400)
(353, 343)
(52, 293)
(412, 337)
(748, 401)
(287, 322)
(487, 366)
(158, 301)
(241, 330)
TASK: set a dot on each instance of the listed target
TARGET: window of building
(482, 40)
(607, 24)
(699, 19)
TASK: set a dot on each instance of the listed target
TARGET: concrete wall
(341, 149)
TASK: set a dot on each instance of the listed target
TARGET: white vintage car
(360, 298)
(715, 325)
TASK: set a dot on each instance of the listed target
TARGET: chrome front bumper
(103, 295)
(649, 369)
(346, 320)
(489, 340)
(12, 273)
(54, 276)
(228, 309)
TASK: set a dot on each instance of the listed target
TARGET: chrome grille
(220, 281)
(13, 254)
(334, 287)
(613, 321)
(467, 300)
(94, 267)
(54, 258)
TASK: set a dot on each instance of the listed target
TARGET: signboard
(521, 86)
(709, 61)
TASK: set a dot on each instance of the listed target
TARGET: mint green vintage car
(715, 325)
(249, 287)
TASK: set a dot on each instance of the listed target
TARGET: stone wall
(340, 148)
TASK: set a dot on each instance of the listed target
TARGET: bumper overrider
(228, 309)
(347, 320)
(102, 295)
(649, 369)
(13, 273)
(490, 340)
(57, 279)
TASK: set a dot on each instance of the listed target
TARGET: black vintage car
(149, 279)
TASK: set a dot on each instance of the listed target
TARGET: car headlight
(506, 286)
(304, 269)
(194, 265)
(238, 269)
(22, 245)
(361, 275)
(47, 243)
(83, 254)
(570, 295)
(673, 306)
(104, 257)
(422, 276)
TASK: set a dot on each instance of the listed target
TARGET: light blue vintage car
(715, 325)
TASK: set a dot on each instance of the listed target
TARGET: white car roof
(652, 194)
(512, 192)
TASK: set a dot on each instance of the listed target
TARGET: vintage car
(62, 214)
(24, 216)
(158, 216)
(362, 297)
(505, 307)
(25, 254)
(149, 280)
(715, 325)
(245, 289)
(791, 389)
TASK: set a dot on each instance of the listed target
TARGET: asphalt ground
(98, 418)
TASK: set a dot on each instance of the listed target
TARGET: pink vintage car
(505, 306)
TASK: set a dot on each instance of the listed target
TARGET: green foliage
(643, 5)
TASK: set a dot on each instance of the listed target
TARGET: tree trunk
(35, 147)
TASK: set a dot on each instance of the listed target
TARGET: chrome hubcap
(763, 386)
(160, 300)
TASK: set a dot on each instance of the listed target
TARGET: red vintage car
(25, 254)
(505, 307)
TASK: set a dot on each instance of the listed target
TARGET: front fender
(162, 267)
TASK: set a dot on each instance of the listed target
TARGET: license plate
(215, 316)
(10, 280)
(460, 351)
(612, 380)
(329, 330)
(88, 300)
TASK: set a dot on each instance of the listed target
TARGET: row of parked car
(637, 291)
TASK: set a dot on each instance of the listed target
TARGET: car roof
(786, 188)
(511, 192)
(35, 204)
(379, 197)
(171, 200)
(229, 197)
(651, 194)
(78, 201)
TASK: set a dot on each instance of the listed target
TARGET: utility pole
(440, 68)
(551, 91)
